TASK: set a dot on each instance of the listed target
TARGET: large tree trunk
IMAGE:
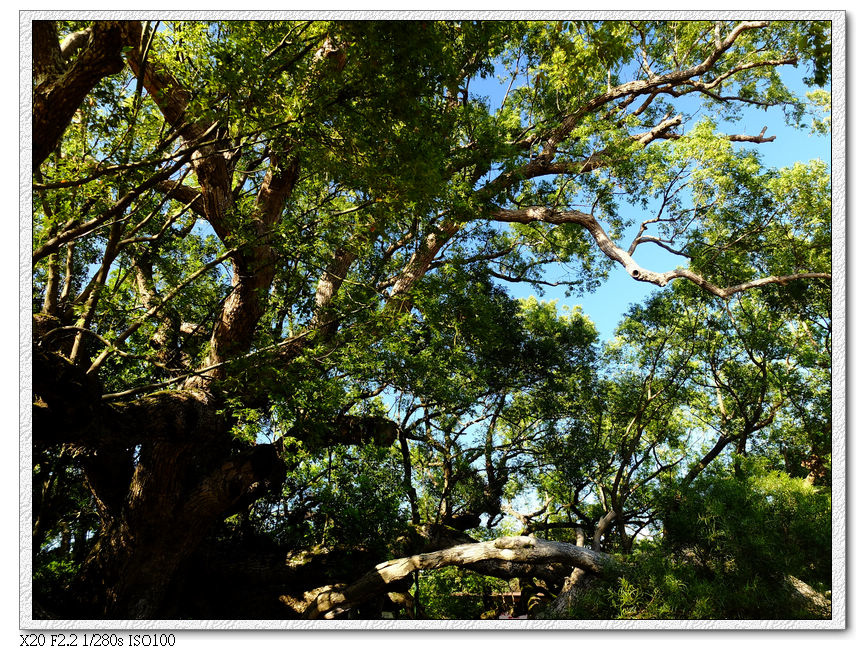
(163, 470)
(175, 498)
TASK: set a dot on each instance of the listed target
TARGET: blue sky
(606, 305)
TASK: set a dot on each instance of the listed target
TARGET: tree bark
(59, 90)
(163, 470)
(520, 550)
(162, 519)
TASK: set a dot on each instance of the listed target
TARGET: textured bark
(523, 550)
(331, 280)
(577, 584)
(165, 339)
(163, 470)
(254, 260)
(254, 269)
(47, 57)
(58, 89)
(419, 264)
(166, 513)
(809, 598)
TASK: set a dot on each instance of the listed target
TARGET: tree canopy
(278, 368)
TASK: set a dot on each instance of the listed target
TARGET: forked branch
(622, 257)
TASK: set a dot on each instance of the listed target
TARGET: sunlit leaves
(403, 165)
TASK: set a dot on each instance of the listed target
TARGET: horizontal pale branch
(745, 286)
(756, 139)
(507, 549)
(622, 257)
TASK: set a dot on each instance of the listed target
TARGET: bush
(454, 593)
(730, 543)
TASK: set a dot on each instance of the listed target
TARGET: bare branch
(622, 257)
(508, 549)
(660, 242)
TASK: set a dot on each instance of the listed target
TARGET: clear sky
(606, 305)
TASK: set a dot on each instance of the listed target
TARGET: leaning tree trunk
(518, 551)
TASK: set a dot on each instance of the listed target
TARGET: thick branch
(703, 463)
(328, 286)
(47, 57)
(622, 257)
(350, 430)
(254, 270)
(742, 137)
(420, 262)
(59, 92)
(68, 407)
(509, 549)
(601, 528)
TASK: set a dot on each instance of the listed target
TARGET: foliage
(735, 526)
(454, 593)
(721, 555)
(339, 496)
(272, 273)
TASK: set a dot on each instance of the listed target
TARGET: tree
(256, 242)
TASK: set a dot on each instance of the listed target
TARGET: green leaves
(375, 281)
